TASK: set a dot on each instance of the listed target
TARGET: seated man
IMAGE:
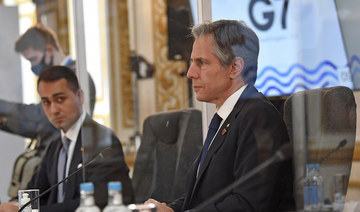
(247, 129)
(40, 46)
(82, 139)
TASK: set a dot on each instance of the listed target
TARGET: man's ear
(49, 53)
(237, 67)
(49, 49)
(80, 95)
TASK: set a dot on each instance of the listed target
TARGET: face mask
(42, 65)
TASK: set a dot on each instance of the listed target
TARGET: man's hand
(160, 207)
(9, 207)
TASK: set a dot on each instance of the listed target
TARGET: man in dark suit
(82, 139)
(223, 71)
(40, 46)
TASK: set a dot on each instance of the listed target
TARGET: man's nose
(54, 108)
(192, 72)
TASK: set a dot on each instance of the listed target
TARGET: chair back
(170, 143)
(318, 121)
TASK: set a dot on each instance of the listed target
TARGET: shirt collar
(66, 61)
(74, 130)
(229, 104)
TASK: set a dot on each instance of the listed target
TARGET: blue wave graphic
(353, 59)
(299, 66)
(303, 77)
(288, 82)
(356, 77)
(354, 66)
(296, 88)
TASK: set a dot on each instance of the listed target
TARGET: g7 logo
(269, 16)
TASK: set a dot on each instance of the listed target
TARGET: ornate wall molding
(120, 69)
(56, 12)
(170, 86)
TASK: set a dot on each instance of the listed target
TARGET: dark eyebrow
(58, 94)
(54, 96)
(200, 59)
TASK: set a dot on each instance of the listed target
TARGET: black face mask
(37, 69)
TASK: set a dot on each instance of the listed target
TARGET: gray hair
(233, 39)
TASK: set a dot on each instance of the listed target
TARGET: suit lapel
(75, 161)
(52, 171)
(54, 177)
(216, 144)
(249, 92)
(220, 136)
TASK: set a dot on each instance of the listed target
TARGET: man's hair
(37, 37)
(59, 72)
(233, 39)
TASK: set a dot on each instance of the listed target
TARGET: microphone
(103, 154)
(283, 153)
(341, 144)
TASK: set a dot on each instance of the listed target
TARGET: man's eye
(60, 99)
(45, 102)
(201, 62)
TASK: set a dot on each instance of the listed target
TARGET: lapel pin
(224, 130)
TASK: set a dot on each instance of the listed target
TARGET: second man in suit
(82, 139)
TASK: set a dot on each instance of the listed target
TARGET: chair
(171, 141)
(317, 121)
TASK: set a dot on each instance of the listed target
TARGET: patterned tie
(62, 167)
(213, 127)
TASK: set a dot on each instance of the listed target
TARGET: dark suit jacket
(92, 138)
(253, 131)
(29, 120)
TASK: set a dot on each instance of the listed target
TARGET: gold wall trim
(120, 69)
(63, 25)
(57, 18)
(170, 87)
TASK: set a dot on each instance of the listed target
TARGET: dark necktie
(213, 127)
(62, 166)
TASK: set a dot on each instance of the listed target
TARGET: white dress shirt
(72, 134)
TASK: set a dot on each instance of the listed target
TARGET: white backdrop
(301, 45)
(10, 89)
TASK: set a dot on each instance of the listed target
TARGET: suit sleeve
(177, 204)
(42, 181)
(27, 120)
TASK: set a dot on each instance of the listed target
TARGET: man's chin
(200, 98)
(57, 125)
